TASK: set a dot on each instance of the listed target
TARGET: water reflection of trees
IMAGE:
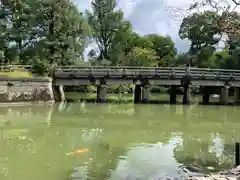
(29, 113)
(104, 159)
(195, 151)
(200, 152)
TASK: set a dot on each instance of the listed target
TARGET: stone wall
(25, 89)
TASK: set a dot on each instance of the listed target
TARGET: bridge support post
(224, 95)
(145, 94)
(62, 94)
(59, 94)
(236, 95)
(206, 95)
(186, 95)
(173, 94)
(101, 93)
(137, 94)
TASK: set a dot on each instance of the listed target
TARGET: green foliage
(164, 48)
(181, 59)
(39, 66)
(203, 58)
(200, 29)
(41, 32)
(142, 57)
(46, 32)
(205, 30)
(105, 20)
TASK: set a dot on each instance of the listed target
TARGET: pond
(124, 141)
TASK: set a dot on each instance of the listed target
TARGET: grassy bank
(24, 74)
(15, 71)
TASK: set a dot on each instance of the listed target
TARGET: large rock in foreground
(233, 174)
(80, 173)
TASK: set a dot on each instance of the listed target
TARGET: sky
(152, 16)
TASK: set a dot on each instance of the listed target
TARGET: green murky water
(123, 140)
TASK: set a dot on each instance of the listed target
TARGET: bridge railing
(63, 68)
(145, 70)
(118, 71)
(67, 68)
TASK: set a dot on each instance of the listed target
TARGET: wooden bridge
(145, 77)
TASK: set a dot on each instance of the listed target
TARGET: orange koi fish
(74, 152)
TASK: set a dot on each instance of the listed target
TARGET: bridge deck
(84, 75)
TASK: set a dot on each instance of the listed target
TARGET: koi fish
(74, 152)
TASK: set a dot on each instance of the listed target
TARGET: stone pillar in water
(145, 94)
(237, 95)
(137, 94)
(224, 95)
(101, 93)
(206, 95)
(173, 95)
(186, 95)
(62, 94)
(59, 94)
(186, 81)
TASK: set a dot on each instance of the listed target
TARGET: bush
(39, 66)
(158, 89)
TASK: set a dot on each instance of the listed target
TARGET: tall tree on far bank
(228, 23)
(201, 29)
(105, 21)
(61, 31)
(41, 32)
(142, 57)
(164, 48)
(227, 9)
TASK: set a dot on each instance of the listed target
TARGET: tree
(63, 28)
(200, 29)
(4, 16)
(182, 59)
(231, 60)
(229, 24)
(21, 17)
(105, 21)
(42, 32)
(164, 48)
(203, 58)
(123, 43)
(142, 57)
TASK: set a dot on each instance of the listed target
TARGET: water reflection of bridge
(175, 118)
(146, 117)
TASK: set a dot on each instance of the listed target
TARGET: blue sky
(152, 16)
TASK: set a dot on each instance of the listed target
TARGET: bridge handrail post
(187, 70)
(51, 70)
